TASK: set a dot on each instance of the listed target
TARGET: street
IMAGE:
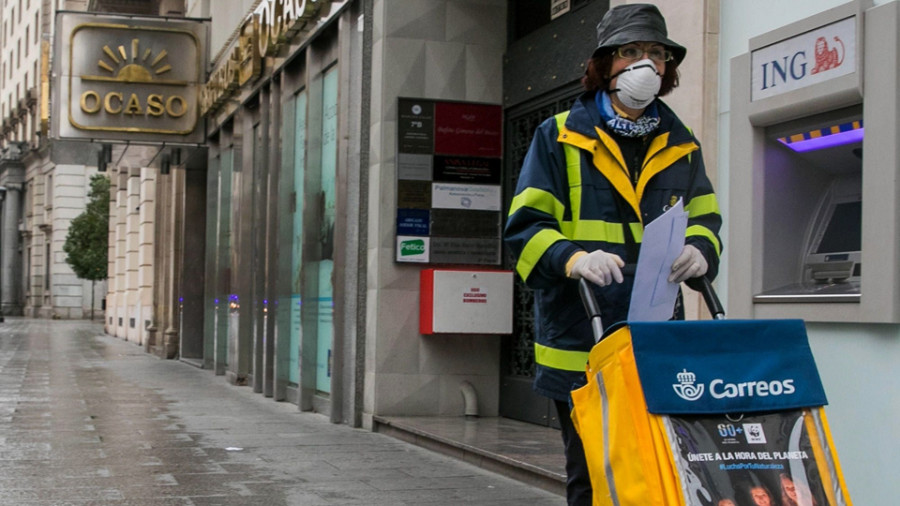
(88, 419)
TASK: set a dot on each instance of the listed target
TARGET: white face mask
(637, 84)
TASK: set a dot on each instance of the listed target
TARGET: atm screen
(844, 230)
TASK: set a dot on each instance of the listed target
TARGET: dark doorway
(542, 72)
(192, 282)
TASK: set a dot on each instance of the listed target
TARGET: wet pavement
(88, 419)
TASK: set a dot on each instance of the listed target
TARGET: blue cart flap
(733, 366)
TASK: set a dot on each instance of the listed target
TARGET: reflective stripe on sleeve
(560, 359)
(535, 249)
(541, 200)
(701, 231)
(703, 204)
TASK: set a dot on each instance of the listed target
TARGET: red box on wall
(456, 301)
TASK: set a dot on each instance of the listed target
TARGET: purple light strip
(827, 141)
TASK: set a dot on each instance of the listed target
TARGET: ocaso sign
(262, 33)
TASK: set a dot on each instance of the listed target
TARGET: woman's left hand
(689, 264)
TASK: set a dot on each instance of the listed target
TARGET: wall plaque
(467, 169)
(449, 170)
(465, 223)
(413, 194)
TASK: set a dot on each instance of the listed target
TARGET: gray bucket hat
(632, 23)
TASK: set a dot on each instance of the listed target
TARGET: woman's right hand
(598, 267)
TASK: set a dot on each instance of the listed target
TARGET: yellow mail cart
(719, 413)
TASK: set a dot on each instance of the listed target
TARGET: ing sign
(813, 57)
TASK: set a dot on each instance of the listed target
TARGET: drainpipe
(470, 397)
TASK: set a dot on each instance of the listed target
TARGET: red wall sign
(467, 129)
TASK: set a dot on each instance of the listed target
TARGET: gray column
(12, 171)
(10, 258)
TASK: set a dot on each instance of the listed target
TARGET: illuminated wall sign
(262, 33)
(126, 78)
(813, 57)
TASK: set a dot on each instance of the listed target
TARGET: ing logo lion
(828, 58)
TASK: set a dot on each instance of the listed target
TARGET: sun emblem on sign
(133, 65)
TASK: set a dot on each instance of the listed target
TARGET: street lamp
(2, 197)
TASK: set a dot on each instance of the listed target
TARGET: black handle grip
(712, 300)
(592, 308)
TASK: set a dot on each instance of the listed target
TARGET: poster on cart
(762, 459)
(449, 163)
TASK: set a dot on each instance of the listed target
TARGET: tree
(87, 244)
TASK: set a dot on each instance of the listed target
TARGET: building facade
(304, 298)
(272, 258)
(355, 351)
(268, 255)
(45, 184)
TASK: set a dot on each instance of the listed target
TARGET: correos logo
(719, 389)
(685, 388)
(413, 247)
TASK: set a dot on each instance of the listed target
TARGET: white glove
(598, 267)
(689, 264)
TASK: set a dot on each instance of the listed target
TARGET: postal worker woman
(592, 178)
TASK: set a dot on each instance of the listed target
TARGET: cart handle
(712, 300)
(591, 305)
(593, 308)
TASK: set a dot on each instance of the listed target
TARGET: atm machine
(814, 202)
(816, 211)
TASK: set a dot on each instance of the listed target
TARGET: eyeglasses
(634, 52)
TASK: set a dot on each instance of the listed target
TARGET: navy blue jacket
(575, 193)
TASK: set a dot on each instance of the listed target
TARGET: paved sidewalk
(87, 419)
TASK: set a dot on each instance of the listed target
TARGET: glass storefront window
(308, 188)
(299, 148)
(318, 221)
(326, 231)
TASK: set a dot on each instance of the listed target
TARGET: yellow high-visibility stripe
(703, 204)
(610, 163)
(534, 249)
(591, 230)
(599, 230)
(607, 158)
(560, 359)
(573, 169)
(586, 230)
(541, 200)
(701, 231)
